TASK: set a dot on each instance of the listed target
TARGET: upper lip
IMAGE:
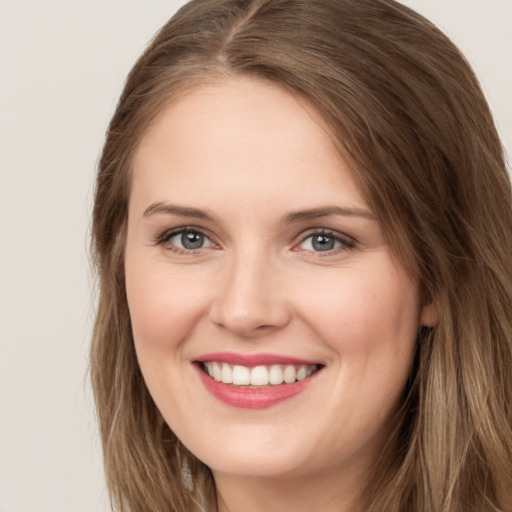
(252, 359)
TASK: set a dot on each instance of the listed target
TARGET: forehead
(245, 137)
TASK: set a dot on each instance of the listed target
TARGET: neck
(328, 492)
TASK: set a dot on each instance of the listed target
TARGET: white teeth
(259, 376)
(302, 373)
(275, 374)
(217, 372)
(241, 376)
(226, 375)
(289, 374)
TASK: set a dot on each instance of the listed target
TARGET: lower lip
(253, 398)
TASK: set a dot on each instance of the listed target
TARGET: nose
(251, 300)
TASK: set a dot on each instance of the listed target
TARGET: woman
(303, 233)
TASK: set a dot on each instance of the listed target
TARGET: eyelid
(170, 233)
(347, 242)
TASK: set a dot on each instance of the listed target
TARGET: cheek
(361, 310)
(163, 304)
(370, 323)
(369, 320)
(164, 310)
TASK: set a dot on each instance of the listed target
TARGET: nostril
(247, 304)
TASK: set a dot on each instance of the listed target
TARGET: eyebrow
(316, 213)
(182, 211)
(288, 218)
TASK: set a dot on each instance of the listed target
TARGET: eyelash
(346, 243)
(165, 237)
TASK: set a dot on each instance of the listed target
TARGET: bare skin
(247, 234)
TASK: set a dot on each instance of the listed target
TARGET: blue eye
(323, 242)
(186, 239)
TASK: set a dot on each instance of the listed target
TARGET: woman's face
(252, 255)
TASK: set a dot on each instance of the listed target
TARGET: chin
(256, 457)
(258, 466)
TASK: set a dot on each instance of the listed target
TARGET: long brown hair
(407, 113)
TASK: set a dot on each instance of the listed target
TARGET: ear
(429, 316)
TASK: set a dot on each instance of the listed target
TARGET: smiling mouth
(257, 376)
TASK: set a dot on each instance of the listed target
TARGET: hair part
(407, 113)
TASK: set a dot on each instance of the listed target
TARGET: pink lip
(251, 360)
(252, 398)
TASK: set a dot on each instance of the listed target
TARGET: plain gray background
(62, 66)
